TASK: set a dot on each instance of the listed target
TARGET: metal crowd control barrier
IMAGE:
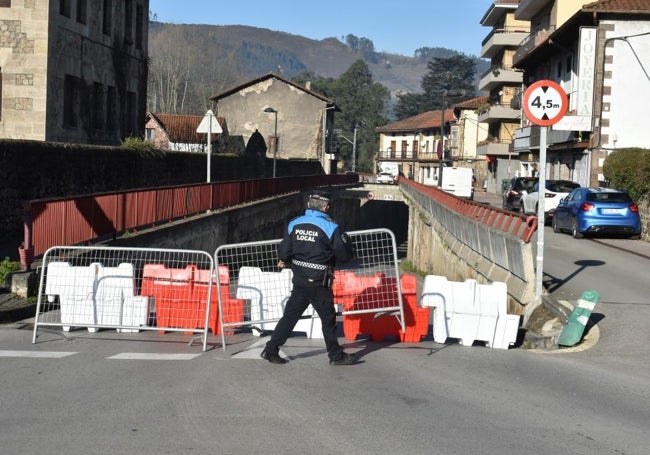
(126, 289)
(370, 283)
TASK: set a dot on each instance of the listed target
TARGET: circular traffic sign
(545, 103)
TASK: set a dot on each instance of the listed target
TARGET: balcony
(500, 38)
(498, 75)
(392, 155)
(499, 112)
(501, 148)
(536, 37)
(527, 9)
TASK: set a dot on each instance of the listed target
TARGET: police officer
(311, 246)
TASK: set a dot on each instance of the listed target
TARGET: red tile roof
(474, 103)
(424, 121)
(618, 6)
(181, 129)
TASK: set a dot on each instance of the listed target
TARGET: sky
(397, 27)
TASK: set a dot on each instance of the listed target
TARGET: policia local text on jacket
(312, 245)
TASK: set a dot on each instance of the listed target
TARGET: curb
(561, 307)
(15, 308)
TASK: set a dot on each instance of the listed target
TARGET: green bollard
(575, 326)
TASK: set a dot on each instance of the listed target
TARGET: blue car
(597, 211)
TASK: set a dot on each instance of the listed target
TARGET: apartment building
(73, 70)
(597, 51)
(503, 83)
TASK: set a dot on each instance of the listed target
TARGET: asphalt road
(150, 393)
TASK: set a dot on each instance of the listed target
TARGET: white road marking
(37, 354)
(152, 356)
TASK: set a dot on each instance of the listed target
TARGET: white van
(389, 168)
(458, 181)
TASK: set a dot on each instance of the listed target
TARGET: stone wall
(644, 211)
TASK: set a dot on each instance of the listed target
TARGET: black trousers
(322, 299)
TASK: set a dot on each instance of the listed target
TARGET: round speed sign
(545, 103)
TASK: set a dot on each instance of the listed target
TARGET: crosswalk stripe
(37, 354)
(151, 356)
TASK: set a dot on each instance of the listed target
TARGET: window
(129, 116)
(139, 25)
(64, 8)
(128, 21)
(108, 16)
(150, 134)
(110, 109)
(98, 103)
(559, 69)
(569, 65)
(82, 11)
(5, 3)
(70, 100)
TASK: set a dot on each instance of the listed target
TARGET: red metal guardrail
(513, 223)
(76, 220)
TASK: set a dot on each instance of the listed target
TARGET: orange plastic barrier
(233, 309)
(355, 292)
(171, 290)
(378, 326)
(181, 296)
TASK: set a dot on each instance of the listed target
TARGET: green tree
(454, 74)
(362, 104)
(319, 84)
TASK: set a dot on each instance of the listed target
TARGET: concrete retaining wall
(264, 220)
(470, 251)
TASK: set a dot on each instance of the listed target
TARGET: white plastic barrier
(96, 295)
(268, 293)
(470, 311)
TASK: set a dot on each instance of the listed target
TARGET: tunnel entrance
(393, 215)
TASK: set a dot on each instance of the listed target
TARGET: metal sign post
(545, 103)
(209, 125)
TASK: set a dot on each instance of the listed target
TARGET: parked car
(555, 190)
(385, 177)
(512, 194)
(597, 210)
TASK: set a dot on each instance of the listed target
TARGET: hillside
(227, 55)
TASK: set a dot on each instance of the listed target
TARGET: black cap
(320, 196)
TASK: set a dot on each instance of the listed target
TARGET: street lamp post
(442, 138)
(354, 149)
(415, 155)
(324, 145)
(275, 137)
(354, 145)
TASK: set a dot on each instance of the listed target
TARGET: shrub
(7, 266)
(629, 169)
(139, 144)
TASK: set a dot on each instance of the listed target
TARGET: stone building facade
(303, 119)
(73, 70)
